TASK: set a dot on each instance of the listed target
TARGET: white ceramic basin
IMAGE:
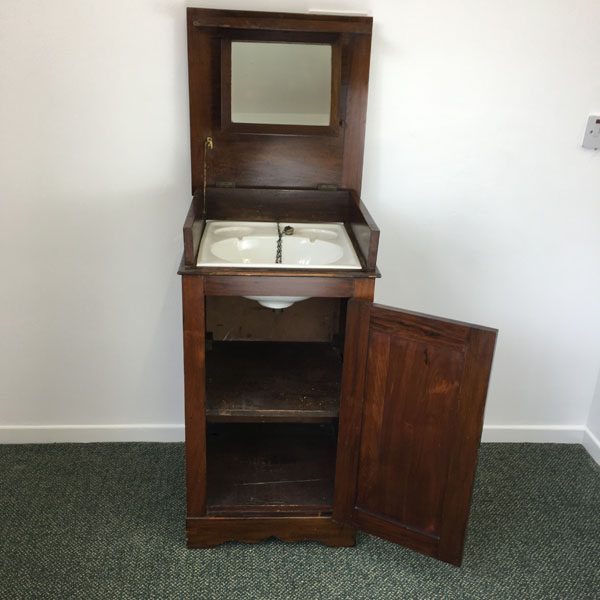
(249, 244)
(254, 245)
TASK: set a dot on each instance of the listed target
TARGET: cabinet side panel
(194, 374)
(200, 59)
(359, 50)
(351, 400)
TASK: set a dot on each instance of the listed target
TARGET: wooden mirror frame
(228, 126)
(301, 157)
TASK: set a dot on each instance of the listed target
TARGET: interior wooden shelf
(257, 468)
(273, 381)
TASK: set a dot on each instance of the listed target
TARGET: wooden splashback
(267, 159)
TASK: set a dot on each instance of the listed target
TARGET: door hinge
(328, 187)
(225, 184)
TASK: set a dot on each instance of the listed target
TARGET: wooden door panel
(403, 460)
(414, 422)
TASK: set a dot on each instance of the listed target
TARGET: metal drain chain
(279, 244)
(287, 230)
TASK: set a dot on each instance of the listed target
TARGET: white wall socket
(591, 139)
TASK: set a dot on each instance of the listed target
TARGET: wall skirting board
(48, 434)
(592, 444)
(51, 434)
(539, 434)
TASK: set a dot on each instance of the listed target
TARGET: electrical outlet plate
(591, 139)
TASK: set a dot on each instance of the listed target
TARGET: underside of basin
(277, 302)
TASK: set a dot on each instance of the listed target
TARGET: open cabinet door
(413, 395)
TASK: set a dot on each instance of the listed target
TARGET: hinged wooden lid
(280, 156)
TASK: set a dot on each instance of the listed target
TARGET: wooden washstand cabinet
(334, 414)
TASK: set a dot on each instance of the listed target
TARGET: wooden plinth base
(207, 532)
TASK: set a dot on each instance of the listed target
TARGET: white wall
(489, 207)
(591, 439)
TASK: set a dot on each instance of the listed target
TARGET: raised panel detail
(411, 414)
(409, 423)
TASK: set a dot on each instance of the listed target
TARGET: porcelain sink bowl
(249, 244)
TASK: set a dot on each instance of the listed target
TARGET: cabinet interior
(272, 405)
(270, 468)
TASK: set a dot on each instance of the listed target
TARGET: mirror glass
(280, 83)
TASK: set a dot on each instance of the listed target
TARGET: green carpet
(107, 521)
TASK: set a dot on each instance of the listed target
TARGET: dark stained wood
(353, 376)
(253, 467)
(276, 156)
(278, 285)
(225, 79)
(200, 55)
(273, 35)
(417, 428)
(237, 319)
(364, 231)
(355, 245)
(231, 127)
(364, 289)
(192, 234)
(267, 381)
(211, 531)
(383, 528)
(274, 160)
(404, 452)
(276, 204)
(229, 272)
(194, 375)
(463, 460)
(239, 19)
(358, 51)
(249, 159)
(336, 87)
(189, 253)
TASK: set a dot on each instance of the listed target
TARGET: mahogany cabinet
(336, 413)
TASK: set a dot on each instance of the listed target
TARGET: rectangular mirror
(280, 87)
(281, 83)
